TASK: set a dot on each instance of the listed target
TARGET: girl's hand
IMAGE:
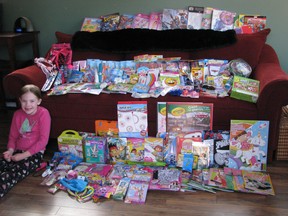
(20, 156)
(8, 154)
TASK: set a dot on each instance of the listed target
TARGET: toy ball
(232, 164)
(239, 67)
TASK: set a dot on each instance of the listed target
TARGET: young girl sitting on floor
(28, 137)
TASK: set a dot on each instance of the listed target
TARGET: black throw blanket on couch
(131, 40)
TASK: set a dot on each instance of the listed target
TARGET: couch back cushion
(63, 37)
(247, 47)
(87, 54)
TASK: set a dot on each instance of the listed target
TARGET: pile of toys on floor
(120, 161)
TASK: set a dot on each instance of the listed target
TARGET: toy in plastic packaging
(187, 162)
(121, 189)
(170, 152)
(76, 185)
(60, 54)
(239, 67)
(75, 76)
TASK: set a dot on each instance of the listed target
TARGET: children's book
(202, 151)
(120, 171)
(217, 178)
(221, 146)
(153, 150)
(184, 145)
(174, 19)
(222, 20)
(137, 192)
(141, 21)
(239, 181)
(195, 15)
(258, 182)
(256, 23)
(247, 24)
(126, 21)
(117, 149)
(110, 22)
(155, 21)
(166, 179)
(91, 24)
(207, 18)
(230, 178)
(248, 144)
(187, 117)
(142, 175)
(132, 119)
(135, 149)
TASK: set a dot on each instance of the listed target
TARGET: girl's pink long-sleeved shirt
(30, 132)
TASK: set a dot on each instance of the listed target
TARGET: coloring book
(188, 117)
(248, 145)
(258, 182)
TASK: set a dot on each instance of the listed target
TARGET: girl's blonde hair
(33, 89)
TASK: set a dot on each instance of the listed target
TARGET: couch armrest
(273, 93)
(14, 81)
(273, 83)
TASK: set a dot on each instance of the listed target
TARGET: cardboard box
(245, 89)
(132, 119)
(95, 149)
(106, 128)
(71, 142)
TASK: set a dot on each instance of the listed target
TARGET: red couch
(79, 111)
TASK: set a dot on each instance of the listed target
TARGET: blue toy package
(66, 158)
(170, 152)
(75, 76)
(115, 75)
(75, 185)
(188, 162)
(140, 88)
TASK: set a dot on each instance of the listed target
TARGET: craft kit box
(106, 128)
(132, 119)
(95, 149)
(71, 141)
(245, 89)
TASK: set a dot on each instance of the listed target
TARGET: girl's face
(29, 103)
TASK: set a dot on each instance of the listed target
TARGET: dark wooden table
(11, 40)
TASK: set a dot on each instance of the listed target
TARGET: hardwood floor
(29, 198)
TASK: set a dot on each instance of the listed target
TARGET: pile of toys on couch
(193, 17)
(154, 76)
(120, 161)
